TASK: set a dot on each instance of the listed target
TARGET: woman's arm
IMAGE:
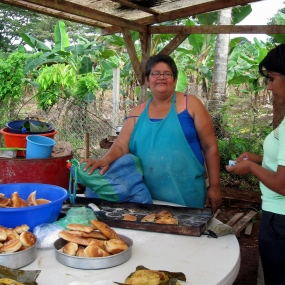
(205, 129)
(273, 180)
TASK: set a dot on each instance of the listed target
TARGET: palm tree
(218, 93)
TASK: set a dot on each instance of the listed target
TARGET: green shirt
(274, 155)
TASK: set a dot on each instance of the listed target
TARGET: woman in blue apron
(173, 136)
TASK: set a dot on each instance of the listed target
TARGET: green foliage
(11, 83)
(85, 87)
(244, 131)
(11, 76)
(13, 21)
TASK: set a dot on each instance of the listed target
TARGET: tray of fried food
(15, 201)
(17, 246)
(92, 246)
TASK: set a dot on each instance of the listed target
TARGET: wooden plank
(248, 229)
(217, 213)
(235, 219)
(241, 224)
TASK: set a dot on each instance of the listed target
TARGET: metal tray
(93, 263)
(19, 259)
(191, 221)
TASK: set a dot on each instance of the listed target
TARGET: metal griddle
(191, 221)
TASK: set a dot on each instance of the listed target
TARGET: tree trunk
(218, 94)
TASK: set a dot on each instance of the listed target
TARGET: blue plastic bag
(123, 182)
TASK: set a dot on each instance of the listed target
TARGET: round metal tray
(19, 259)
(93, 263)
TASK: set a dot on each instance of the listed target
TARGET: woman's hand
(249, 156)
(241, 168)
(214, 198)
(245, 163)
(93, 164)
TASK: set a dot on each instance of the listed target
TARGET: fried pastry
(129, 217)
(115, 246)
(105, 229)
(81, 228)
(149, 218)
(70, 248)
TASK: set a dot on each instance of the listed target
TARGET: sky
(261, 13)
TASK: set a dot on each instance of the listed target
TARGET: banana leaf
(173, 276)
(27, 277)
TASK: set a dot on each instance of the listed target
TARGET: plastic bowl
(15, 126)
(32, 215)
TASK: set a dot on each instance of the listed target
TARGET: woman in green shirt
(270, 170)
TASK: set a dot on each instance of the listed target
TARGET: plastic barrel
(39, 146)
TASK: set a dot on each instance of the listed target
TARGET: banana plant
(279, 19)
(243, 64)
(197, 56)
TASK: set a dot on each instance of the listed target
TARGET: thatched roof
(137, 15)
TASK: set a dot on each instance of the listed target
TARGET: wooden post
(87, 154)
(116, 98)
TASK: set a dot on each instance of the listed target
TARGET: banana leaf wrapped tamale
(145, 276)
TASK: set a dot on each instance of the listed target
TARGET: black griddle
(191, 221)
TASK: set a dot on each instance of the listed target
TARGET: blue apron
(172, 171)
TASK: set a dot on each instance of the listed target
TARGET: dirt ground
(243, 201)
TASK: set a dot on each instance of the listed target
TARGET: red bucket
(19, 140)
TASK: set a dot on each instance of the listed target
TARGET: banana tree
(243, 64)
(65, 69)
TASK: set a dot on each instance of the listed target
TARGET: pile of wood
(241, 221)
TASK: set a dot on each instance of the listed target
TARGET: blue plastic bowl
(16, 126)
(32, 215)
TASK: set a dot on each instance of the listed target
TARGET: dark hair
(274, 61)
(153, 60)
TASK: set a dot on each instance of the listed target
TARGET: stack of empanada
(17, 239)
(96, 240)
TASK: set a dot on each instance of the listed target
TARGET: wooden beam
(83, 11)
(184, 12)
(145, 39)
(133, 55)
(241, 224)
(54, 13)
(235, 219)
(219, 29)
(174, 43)
(248, 229)
(136, 6)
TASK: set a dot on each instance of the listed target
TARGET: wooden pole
(87, 153)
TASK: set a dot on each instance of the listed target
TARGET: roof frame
(110, 17)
